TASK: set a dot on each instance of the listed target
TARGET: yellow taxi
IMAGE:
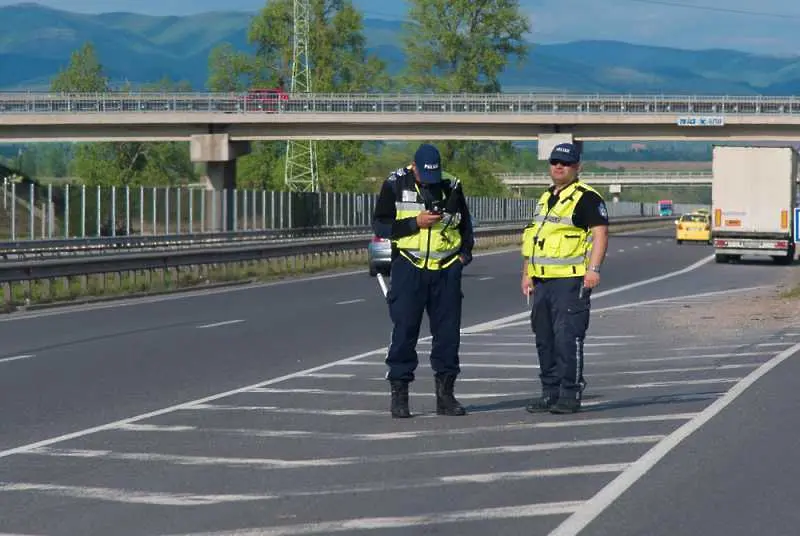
(694, 227)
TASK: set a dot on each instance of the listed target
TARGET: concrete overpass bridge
(26, 117)
(220, 126)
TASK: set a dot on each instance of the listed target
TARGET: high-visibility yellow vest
(434, 248)
(555, 246)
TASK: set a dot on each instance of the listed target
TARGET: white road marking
(675, 383)
(487, 278)
(784, 343)
(529, 344)
(482, 327)
(271, 463)
(679, 358)
(218, 324)
(465, 396)
(669, 371)
(648, 244)
(16, 358)
(606, 496)
(276, 409)
(520, 379)
(486, 478)
(329, 375)
(130, 496)
(620, 251)
(155, 428)
(405, 522)
(348, 302)
(417, 434)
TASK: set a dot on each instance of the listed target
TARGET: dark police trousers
(412, 291)
(559, 319)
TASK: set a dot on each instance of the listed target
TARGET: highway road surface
(263, 410)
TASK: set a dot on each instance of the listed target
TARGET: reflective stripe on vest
(427, 248)
(555, 246)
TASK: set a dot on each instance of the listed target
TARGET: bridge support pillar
(546, 142)
(219, 154)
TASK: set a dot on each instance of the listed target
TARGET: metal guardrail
(108, 244)
(29, 270)
(389, 103)
(630, 177)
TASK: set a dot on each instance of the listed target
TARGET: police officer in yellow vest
(428, 222)
(562, 251)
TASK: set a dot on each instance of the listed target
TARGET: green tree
(463, 46)
(127, 163)
(339, 62)
(83, 74)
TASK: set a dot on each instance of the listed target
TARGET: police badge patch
(601, 208)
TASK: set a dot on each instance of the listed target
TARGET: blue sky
(766, 26)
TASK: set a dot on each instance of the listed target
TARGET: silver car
(379, 256)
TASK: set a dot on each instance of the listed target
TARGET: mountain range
(35, 42)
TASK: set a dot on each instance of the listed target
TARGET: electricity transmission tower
(301, 156)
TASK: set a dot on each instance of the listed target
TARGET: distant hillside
(36, 41)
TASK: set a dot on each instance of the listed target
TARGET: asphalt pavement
(265, 409)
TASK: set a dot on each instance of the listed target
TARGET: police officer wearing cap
(563, 249)
(428, 222)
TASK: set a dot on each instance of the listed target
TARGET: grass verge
(102, 287)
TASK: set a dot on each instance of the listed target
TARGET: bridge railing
(406, 103)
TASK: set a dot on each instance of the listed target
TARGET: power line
(667, 3)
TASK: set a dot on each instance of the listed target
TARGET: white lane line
(606, 496)
(348, 302)
(130, 496)
(405, 522)
(16, 358)
(784, 343)
(329, 376)
(519, 379)
(675, 383)
(218, 324)
(482, 327)
(648, 244)
(668, 371)
(292, 411)
(417, 434)
(155, 428)
(273, 463)
(487, 278)
(311, 391)
(680, 358)
(529, 344)
(620, 251)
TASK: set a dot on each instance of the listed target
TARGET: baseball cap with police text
(429, 163)
(565, 152)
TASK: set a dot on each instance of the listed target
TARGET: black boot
(446, 403)
(543, 404)
(400, 399)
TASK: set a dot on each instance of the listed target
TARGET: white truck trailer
(753, 196)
